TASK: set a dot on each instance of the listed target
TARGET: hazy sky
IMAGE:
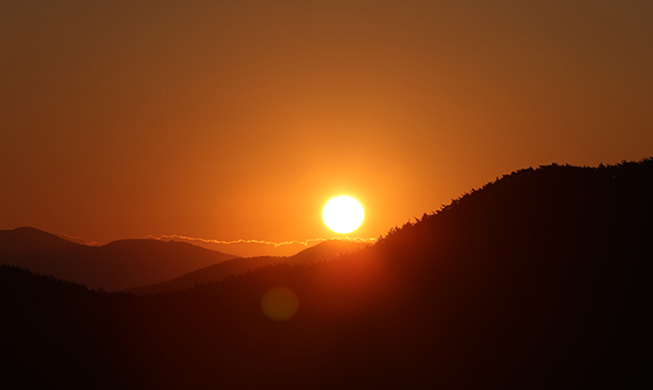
(239, 119)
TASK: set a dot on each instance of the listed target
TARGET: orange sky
(236, 120)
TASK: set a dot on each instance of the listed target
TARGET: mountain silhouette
(114, 266)
(537, 280)
(324, 251)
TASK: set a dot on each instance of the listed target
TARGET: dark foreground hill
(216, 272)
(538, 280)
(114, 266)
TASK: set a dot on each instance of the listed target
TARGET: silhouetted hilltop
(216, 272)
(326, 250)
(114, 266)
(26, 239)
(537, 280)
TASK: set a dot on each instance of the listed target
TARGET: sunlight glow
(343, 214)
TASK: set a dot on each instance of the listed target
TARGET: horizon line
(274, 244)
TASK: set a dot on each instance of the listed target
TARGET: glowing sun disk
(343, 214)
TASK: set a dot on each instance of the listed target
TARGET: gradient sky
(236, 120)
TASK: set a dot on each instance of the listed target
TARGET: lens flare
(280, 303)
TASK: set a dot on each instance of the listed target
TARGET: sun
(343, 214)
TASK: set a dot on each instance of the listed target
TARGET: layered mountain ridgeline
(324, 251)
(537, 280)
(115, 266)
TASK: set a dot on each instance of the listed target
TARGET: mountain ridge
(324, 251)
(114, 266)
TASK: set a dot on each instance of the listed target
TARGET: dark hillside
(537, 280)
(54, 332)
(550, 262)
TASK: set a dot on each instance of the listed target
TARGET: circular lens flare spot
(343, 214)
(279, 303)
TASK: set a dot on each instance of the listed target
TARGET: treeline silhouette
(537, 280)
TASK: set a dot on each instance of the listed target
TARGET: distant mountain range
(324, 251)
(115, 266)
(538, 280)
(141, 266)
